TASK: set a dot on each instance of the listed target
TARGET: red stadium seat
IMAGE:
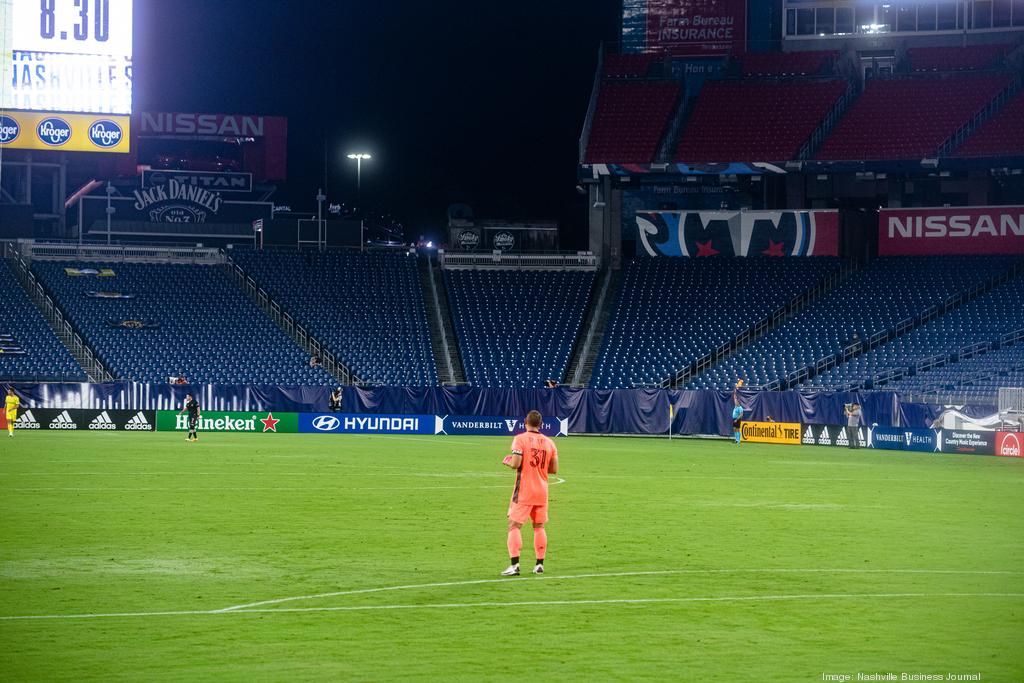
(756, 120)
(630, 120)
(1001, 135)
(909, 118)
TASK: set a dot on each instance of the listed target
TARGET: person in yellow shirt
(12, 403)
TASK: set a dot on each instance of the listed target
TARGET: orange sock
(540, 542)
(515, 542)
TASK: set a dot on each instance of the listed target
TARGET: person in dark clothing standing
(192, 408)
(335, 400)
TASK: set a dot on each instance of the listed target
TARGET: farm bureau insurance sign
(951, 230)
(177, 202)
(691, 28)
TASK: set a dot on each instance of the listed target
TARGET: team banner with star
(737, 233)
(222, 421)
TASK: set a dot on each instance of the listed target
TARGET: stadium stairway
(33, 351)
(595, 322)
(298, 334)
(152, 321)
(670, 312)
(939, 347)
(767, 324)
(443, 341)
(367, 308)
(876, 302)
(517, 328)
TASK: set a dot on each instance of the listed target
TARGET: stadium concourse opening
(260, 400)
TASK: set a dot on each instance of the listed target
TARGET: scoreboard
(67, 74)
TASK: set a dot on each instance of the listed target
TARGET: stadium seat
(33, 353)
(756, 120)
(909, 118)
(516, 328)
(367, 308)
(982, 321)
(630, 120)
(670, 312)
(209, 330)
(874, 299)
(1001, 135)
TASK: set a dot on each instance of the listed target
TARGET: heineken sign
(220, 421)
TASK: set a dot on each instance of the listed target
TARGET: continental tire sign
(73, 419)
(770, 432)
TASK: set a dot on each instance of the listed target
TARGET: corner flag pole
(669, 421)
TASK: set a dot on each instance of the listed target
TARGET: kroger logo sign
(53, 131)
(326, 423)
(105, 133)
(9, 129)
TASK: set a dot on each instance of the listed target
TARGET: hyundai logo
(54, 131)
(9, 129)
(326, 423)
(105, 133)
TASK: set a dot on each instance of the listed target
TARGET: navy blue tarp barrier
(594, 411)
(925, 414)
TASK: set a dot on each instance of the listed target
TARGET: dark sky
(480, 102)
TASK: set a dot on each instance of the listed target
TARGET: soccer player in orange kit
(534, 456)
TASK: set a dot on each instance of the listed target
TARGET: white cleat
(538, 569)
(513, 570)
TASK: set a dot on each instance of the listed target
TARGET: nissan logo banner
(951, 230)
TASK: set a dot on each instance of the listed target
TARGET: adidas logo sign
(63, 421)
(841, 440)
(27, 421)
(808, 436)
(139, 423)
(102, 421)
(825, 439)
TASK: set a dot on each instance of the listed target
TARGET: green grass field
(684, 560)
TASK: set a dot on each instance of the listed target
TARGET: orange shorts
(519, 513)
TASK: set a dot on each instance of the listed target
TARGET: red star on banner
(774, 248)
(270, 423)
(705, 249)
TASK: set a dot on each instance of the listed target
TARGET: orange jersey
(532, 477)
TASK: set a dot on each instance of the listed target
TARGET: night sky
(478, 102)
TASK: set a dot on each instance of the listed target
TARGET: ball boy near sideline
(533, 457)
(192, 406)
(12, 402)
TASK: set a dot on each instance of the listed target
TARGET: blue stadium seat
(45, 358)
(671, 312)
(516, 328)
(367, 308)
(874, 299)
(210, 331)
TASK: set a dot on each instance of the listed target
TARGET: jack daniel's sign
(177, 202)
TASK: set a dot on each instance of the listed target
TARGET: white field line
(526, 603)
(362, 591)
(629, 601)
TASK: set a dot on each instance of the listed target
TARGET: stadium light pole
(359, 156)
